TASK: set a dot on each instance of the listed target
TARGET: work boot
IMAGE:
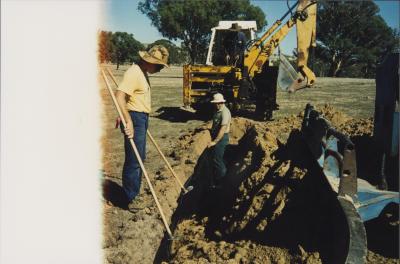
(138, 204)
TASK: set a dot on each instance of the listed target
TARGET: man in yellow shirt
(134, 98)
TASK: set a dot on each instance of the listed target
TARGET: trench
(274, 206)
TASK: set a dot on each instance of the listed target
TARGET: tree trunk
(193, 53)
(192, 56)
(334, 68)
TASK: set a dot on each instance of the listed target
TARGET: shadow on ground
(383, 232)
(113, 193)
(369, 163)
(179, 115)
(312, 216)
(311, 213)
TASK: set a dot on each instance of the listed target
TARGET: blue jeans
(217, 160)
(132, 173)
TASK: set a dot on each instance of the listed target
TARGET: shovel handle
(166, 161)
(137, 155)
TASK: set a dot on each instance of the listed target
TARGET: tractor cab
(216, 50)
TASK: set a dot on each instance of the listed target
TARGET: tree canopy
(126, 48)
(118, 47)
(191, 20)
(352, 37)
(122, 47)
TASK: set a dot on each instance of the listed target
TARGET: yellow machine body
(201, 81)
(206, 79)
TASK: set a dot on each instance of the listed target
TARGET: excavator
(358, 200)
(255, 80)
(332, 151)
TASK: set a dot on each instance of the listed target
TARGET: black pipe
(289, 11)
(293, 6)
(383, 183)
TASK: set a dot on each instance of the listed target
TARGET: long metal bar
(166, 162)
(138, 156)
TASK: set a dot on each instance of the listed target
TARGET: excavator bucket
(287, 75)
(359, 200)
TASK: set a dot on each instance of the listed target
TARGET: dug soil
(274, 204)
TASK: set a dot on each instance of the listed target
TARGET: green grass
(354, 97)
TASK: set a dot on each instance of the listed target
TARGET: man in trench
(134, 98)
(220, 139)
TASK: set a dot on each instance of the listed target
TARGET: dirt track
(253, 221)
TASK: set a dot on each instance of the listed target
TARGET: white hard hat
(218, 98)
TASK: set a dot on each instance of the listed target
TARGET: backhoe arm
(262, 49)
(306, 38)
(259, 54)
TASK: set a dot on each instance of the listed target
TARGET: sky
(124, 16)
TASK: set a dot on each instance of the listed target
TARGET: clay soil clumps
(274, 205)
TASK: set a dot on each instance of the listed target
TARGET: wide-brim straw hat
(158, 54)
(218, 98)
(235, 27)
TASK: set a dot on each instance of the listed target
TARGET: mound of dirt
(274, 205)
